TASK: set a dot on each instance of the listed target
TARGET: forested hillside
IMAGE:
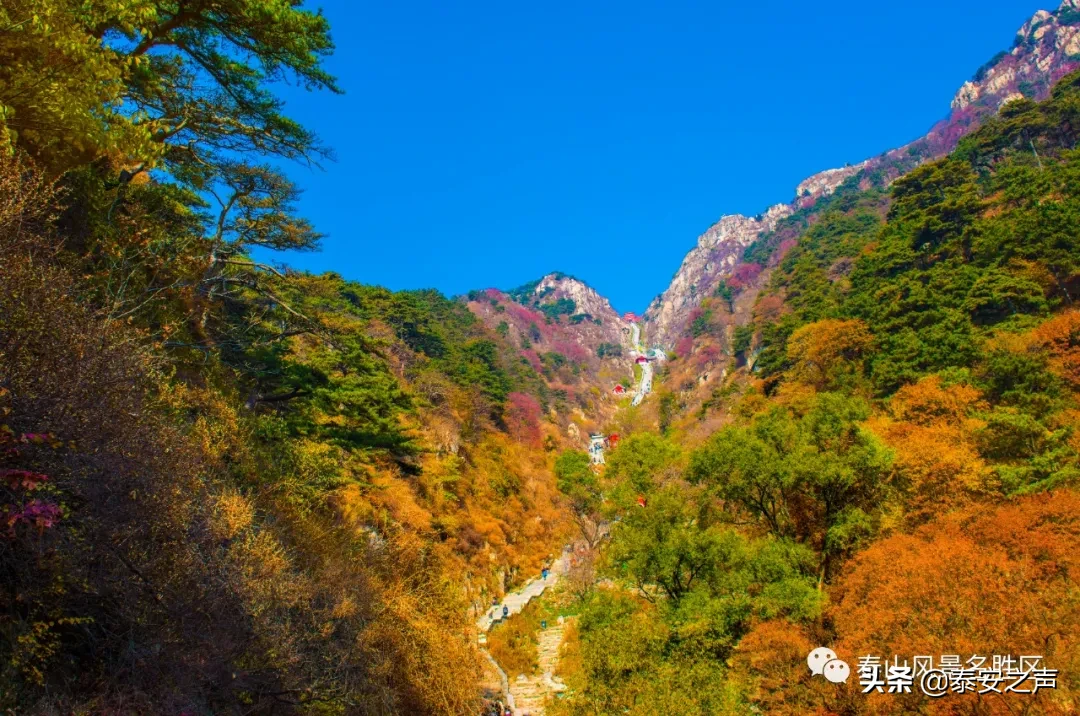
(571, 336)
(888, 466)
(228, 487)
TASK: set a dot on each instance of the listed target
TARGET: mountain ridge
(1047, 47)
(572, 336)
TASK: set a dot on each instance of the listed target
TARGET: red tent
(619, 390)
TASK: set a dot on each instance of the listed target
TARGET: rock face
(587, 301)
(717, 252)
(571, 335)
(1047, 48)
(826, 182)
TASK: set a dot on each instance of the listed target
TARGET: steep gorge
(230, 487)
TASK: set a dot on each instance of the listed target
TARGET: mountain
(1046, 48)
(899, 409)
(569, 334)
(234, 488)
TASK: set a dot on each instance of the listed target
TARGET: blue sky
(487, 143)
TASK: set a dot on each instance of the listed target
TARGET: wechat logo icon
(823, 662)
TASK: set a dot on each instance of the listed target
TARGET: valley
(228, 486)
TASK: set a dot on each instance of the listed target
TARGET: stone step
(530, 693)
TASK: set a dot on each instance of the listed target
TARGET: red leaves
(36, 513)
(534, 360)
(744, 275)
(22, 479)
(523, 414)
(573, 351)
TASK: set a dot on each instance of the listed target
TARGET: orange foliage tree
(828, 354)
(978, 582)
(1061, 338)
(933, 437)
(770, 662)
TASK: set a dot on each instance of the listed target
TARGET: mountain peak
(587, 299)
(557, 286)
(1047, 48)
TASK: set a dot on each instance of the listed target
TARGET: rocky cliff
(572, 335)
(717, 253)
(1047, 47)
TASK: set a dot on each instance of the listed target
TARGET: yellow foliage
(396, 496)
(825, 351)
(353, 505)
(571, 662)
(937, 461)
(232, 515)
(938, 465)
(795, 395)
(927, 402)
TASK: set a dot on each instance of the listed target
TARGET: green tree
(700, 325)
(664, 546)
(576, 480)
(818, 477)
(103, 93)
(742, 339)
(726, 293)
(184, 82)
(640, 464)
(700, 586)
(609, 350)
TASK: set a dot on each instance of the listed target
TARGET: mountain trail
(532, 692)
(526, 695)
(644, 386)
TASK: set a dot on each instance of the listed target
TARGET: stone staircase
(532, 692)
(516, 601)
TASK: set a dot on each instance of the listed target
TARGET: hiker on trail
(544, 573)
(506, 611)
